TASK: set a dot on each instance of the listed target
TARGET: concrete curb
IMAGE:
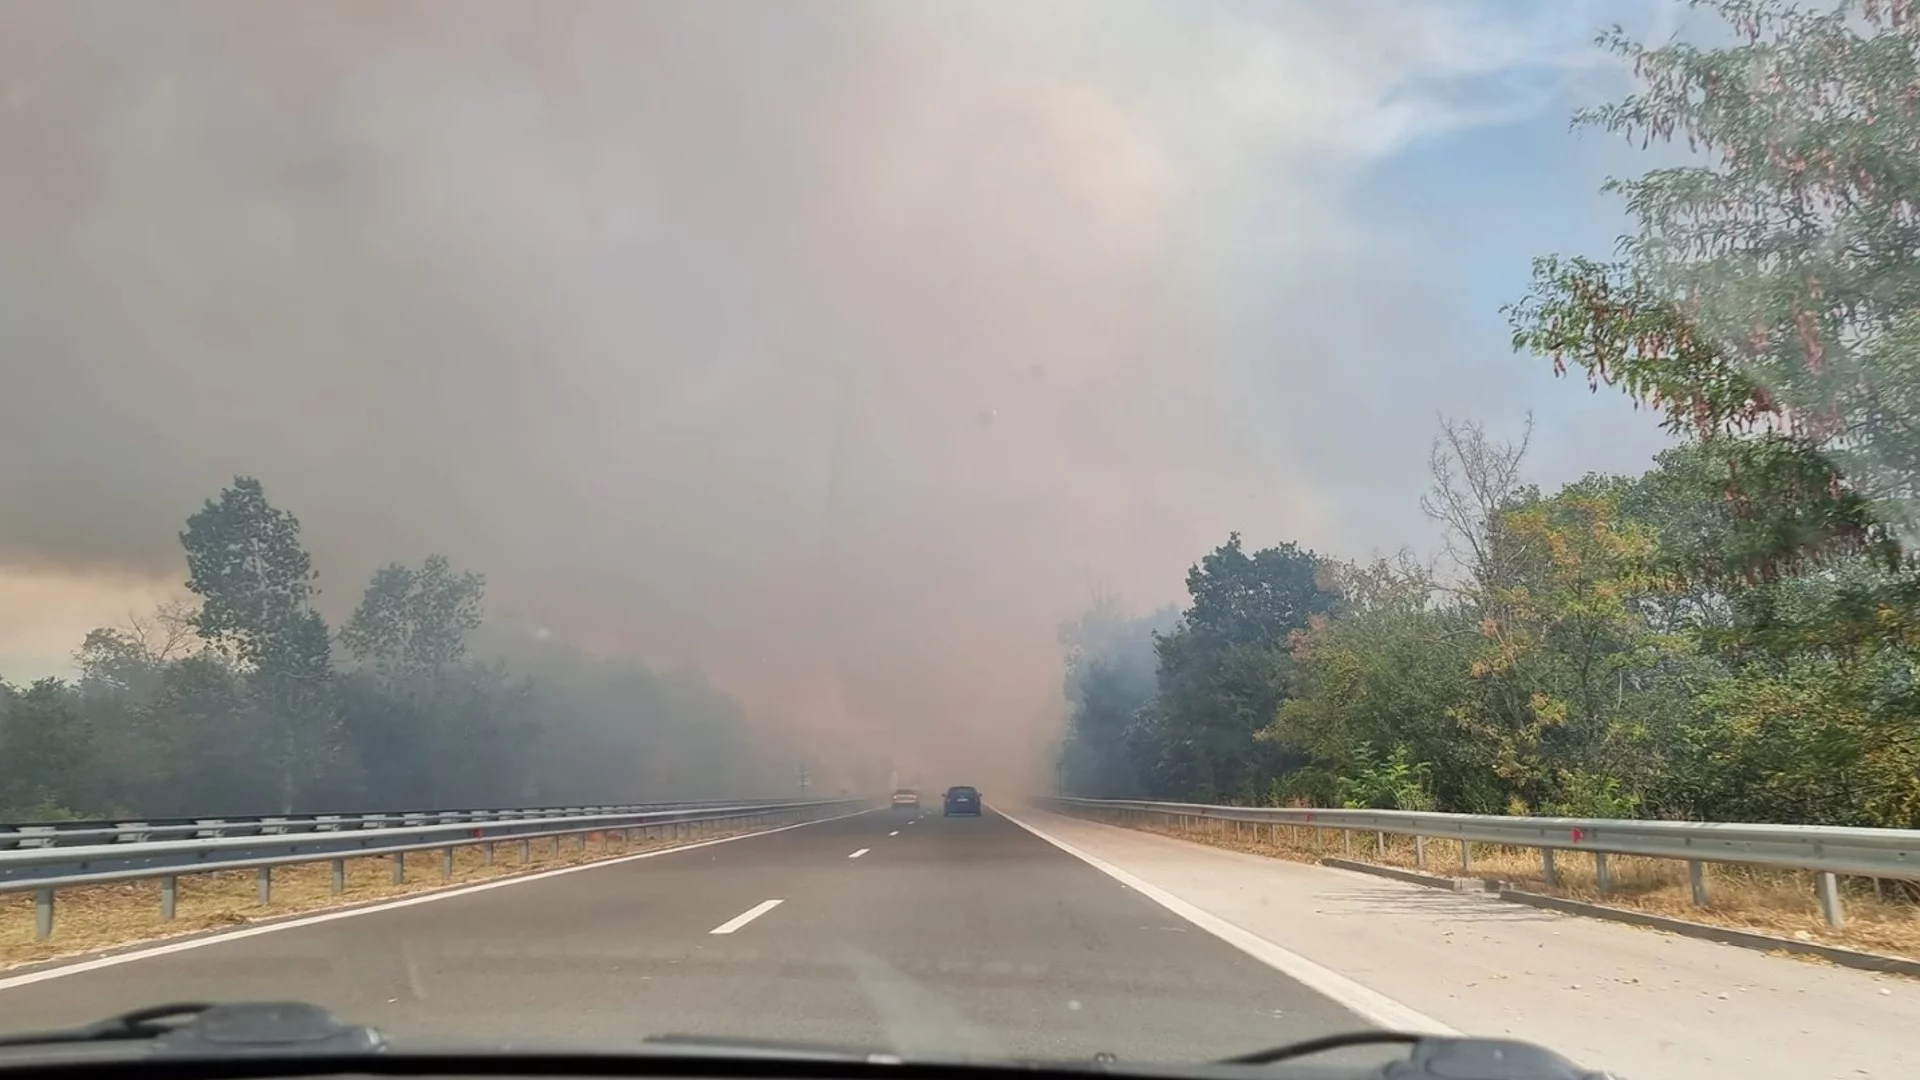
(1746, 939)
(1411, 877)
(1725, 935)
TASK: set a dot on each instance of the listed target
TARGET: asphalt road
(892, 929)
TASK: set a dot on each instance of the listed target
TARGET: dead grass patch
(1760, 899)
(106, 916)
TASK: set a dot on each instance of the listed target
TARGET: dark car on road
(962, 800)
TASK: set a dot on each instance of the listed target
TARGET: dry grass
(105, 916)
(1761, 899)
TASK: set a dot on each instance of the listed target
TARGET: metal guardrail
(28, 834)
(44, 870)
(1828, 850)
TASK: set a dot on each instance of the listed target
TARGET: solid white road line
(425, 898)
(1369, 1004)
(859, 853)
(745, 917)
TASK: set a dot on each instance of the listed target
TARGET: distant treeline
(1734, 635)
(247, 702)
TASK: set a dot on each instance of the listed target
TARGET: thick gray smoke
(840, 349)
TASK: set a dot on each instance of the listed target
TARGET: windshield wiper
(147, 1023)
(1463, 1058)
(261, 1031)
(1323, 1043)
(196, 1029)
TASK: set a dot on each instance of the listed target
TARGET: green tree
(210, 739)
(43, 745)
(1223, 671)
(1767, 301)
(255, 583)
(415, 622)
(1374, 693)
(424, 723)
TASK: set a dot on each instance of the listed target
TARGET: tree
(1373, 698)
(1474, 480)
(210, 738)
(1109, 678)
(415, 622)
(1565, 638)
(418, 716)
(255, 583)
(1223, 671)
(43, 745)
(1769, 302)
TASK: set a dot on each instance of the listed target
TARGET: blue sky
(1454, 218)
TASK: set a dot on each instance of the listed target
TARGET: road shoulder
(1637, 1002)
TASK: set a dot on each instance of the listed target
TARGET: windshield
(504, 508)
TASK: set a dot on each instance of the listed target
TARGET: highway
(1031, 935)
(891, 929)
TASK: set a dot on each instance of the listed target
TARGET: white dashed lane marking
(745, 917)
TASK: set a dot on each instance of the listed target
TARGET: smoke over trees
(247, 702)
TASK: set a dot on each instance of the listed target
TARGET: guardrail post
(1697, 877)
(1420, 852)
(1466, 857)
(1380, 845)
(486, 853)
(169, 897)
(42, 914)
(338, 884)
(526, 852)
(399, 867)
(1830, 901)
(1346, 840)
(556, 845)
(1547, 872)
(446, 864)
(1600, 873)
(264, 885)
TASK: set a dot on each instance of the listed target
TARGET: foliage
(1766, 301)
(255, 584)
(1390, 781)
(1570, 670)
(237, 707)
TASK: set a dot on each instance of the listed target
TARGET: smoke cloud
(839, 349)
